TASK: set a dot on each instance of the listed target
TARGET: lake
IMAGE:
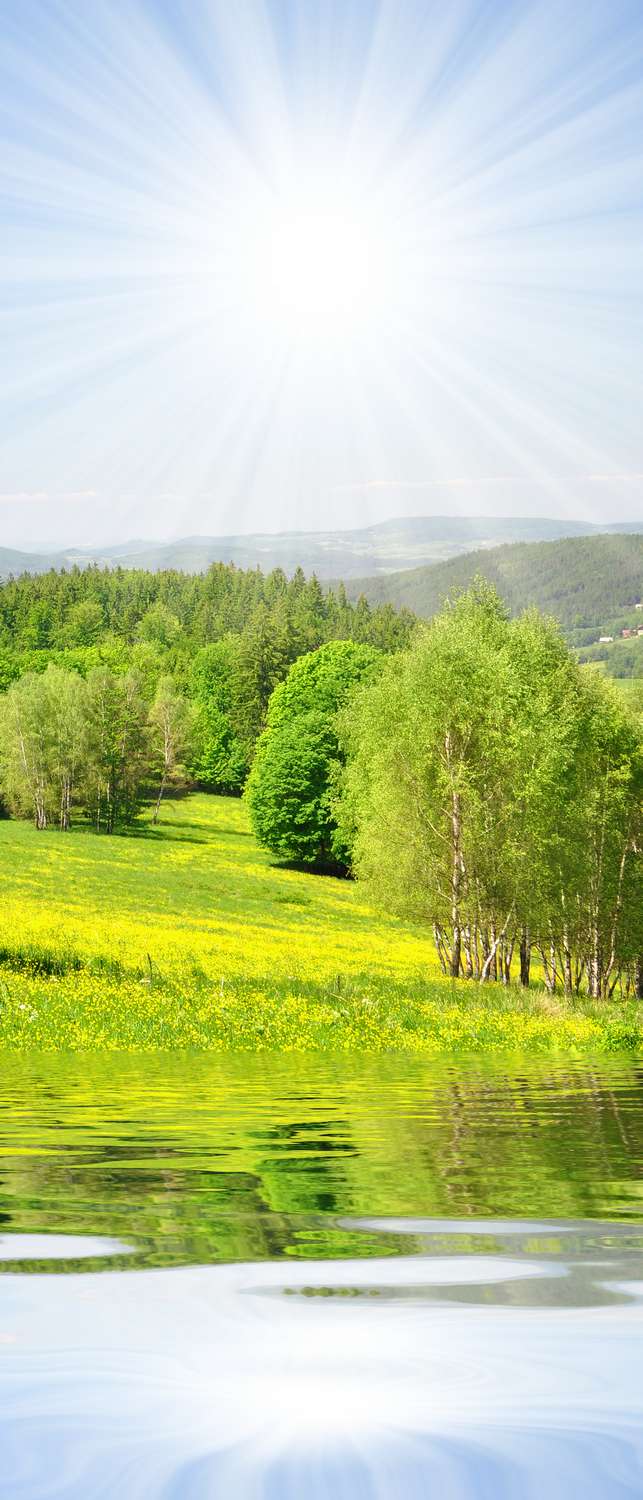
(304, 1277)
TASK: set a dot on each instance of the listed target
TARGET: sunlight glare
(320, 270)
(266, 260)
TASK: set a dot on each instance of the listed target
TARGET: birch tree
(493, 791)
(608, 891)
(170, 724)
(427, 794)
(117, 756)
(42, 743)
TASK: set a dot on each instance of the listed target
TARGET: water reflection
(201, 1159)
(308, 1278)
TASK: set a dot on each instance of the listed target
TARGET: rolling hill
(386, 547)
(586, 582)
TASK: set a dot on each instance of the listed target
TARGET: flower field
(186, 936)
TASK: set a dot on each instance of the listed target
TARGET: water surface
(301, 1278)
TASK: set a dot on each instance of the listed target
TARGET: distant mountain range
(387, 547)
(583, 580)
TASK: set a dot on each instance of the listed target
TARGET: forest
(117, 683)
(468, 773)
(590, 584)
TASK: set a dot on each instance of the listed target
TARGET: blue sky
(297, 264)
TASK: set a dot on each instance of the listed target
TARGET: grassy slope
(186, 936)
(580, 580)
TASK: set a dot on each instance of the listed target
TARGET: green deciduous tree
(289, 794)
(170, 724)
(289, 789)
(220, 758)
(605, 883)
(42, 744)
(492, 790)
(428, 761)
(158, 625)
(117, 755)
(85, 623)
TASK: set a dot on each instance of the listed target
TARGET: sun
(317, 266)
(319, 269)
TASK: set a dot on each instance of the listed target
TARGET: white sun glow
(268, 263)
(317, 268)
(322, 269)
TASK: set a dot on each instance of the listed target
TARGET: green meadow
(185, 935)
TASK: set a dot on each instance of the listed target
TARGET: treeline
(84, 608)
(482, 783)
(86, 658)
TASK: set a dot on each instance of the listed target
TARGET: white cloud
(54, 497)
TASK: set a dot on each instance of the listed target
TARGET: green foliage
(110, 653)
(220, 760)
(606, 829)
(504, 809)
(42, 743)
(117, 749)
(266, 649)
(170, 734)
(158, 624)
(9, 670)
(176, 611)
(69, 742)
(289, 790)
(84, 625)
(321, 681)
(631, 691)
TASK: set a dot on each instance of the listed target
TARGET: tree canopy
(227, 638)
(289, 789)
(493, 790)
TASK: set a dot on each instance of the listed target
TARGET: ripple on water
(341, 1380)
